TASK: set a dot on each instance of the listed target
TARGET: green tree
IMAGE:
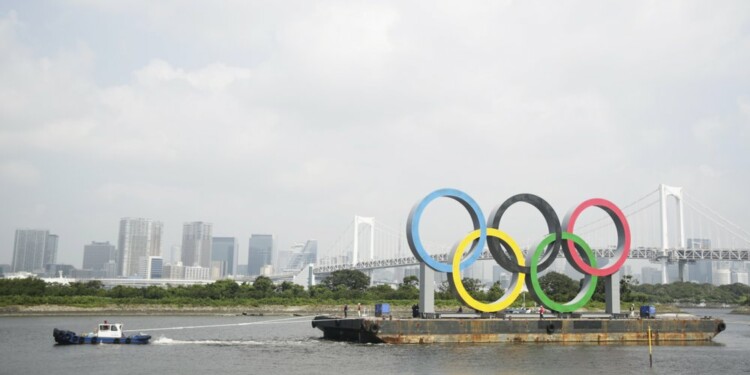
(321, 292)
(411, 281)
(495, 293)
(121, 291)
(348, 280)
(626, 287)
(263, 286)
(154, 292)
(30, 286)
(472, 285)
(558, 287)
(445, 292)
(382, 292)
(223, 289)
(290, 289)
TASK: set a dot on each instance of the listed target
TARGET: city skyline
(145, 227)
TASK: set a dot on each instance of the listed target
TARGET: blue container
(648, 311)
(382, 309)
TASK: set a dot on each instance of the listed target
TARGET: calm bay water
(289, 347)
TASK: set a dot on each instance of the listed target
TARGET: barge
(496, 330)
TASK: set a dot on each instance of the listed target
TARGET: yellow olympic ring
(516, 282)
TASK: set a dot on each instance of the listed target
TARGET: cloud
(20, 173)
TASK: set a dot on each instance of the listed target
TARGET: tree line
(345, 286)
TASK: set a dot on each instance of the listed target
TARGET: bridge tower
(370, 222)
(664, 193)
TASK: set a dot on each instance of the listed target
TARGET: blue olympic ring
(477, 218)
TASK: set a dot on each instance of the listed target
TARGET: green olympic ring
(589, 283)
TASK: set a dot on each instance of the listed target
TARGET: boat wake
(168, 341)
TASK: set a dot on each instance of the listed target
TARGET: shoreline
(167, 310)
(263, 310)
(742, 310)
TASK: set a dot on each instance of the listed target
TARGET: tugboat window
(114, 328)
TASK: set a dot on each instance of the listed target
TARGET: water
(289, 347)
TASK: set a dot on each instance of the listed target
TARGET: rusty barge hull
(426, 331)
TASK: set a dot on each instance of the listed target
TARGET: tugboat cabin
(110, 330)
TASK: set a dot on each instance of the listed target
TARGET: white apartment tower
(138, 238)
(33, 249)
(196, 244)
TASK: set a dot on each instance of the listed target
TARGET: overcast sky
(292, 117)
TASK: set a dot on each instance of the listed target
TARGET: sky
(291, 117)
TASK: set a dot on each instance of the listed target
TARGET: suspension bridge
(667, 224)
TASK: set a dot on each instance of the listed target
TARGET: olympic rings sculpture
(509, 256)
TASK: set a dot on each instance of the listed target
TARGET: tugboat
(106, 334)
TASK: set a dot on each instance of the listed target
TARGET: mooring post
(612, 293)
(426, 289)
(650, 355)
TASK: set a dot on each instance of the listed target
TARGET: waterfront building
(266, 270)
(110, 269)
(85, 274)
(33, 249)
(226, 251)
(174, 271)
(196, 244)
(740, 277)
(154, 267)
(284, 258)
(138, 238)
(721, 276)
(174, 254)
(97, 255)
(58, 270)
(50, 249)
(197, 273)
(260, 253)
(308, 254)
(218, 269)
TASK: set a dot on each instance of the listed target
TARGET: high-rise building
(33, 249)
(174, 254)
(138, 238)
(225, 250)
(50, 249)
(97, 254)
(196, 244)
(260, 253)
